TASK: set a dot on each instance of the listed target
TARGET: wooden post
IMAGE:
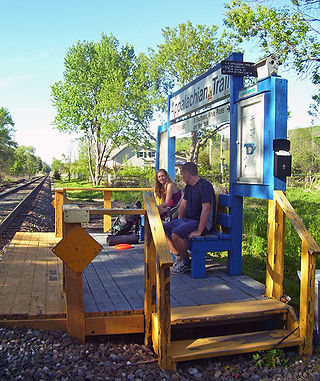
(270, 249)
(149, 282)
(59, 200)
(275, 255)
(307, 290)
(74, 298)
(106, 205)
(164, 317)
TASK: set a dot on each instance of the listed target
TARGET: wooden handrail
(114, 212)
(278, 208)
(157, 283)
(105, 189)
(296, 222)
(158, 236)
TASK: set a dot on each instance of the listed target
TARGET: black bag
(127, 224)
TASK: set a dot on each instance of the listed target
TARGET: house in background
(142, 157)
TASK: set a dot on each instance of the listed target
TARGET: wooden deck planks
(30, 277)
(31, 281)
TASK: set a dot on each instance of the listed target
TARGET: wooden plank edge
(229, 345)
(43, 324)
(269, 307)
(103, 325)
(114, 325)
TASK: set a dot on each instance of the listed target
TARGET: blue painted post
(234, 257)
(171, 159)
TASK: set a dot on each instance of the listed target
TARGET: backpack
(125, 223)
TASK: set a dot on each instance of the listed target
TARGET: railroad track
(14, 200)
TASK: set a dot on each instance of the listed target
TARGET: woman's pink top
(175, 199)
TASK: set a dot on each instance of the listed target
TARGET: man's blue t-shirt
(198, 194)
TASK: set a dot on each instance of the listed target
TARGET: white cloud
(12, 80)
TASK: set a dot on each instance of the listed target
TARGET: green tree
(187, 52)
(107, 96)
(57, 167)
(26, 162)
(79, 166)
(305, 151)
(7, 144)
(291, 32)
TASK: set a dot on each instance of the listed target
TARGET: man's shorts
(181, 227)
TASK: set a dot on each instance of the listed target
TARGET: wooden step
(227, 312)
(186, 350)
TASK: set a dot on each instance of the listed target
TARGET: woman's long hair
(159, 189)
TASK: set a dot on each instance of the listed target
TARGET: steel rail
(9, 218)
(15, 189)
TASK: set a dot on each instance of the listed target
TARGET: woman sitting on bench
(166, 191)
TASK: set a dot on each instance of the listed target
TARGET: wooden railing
(157, 283)
(278, 208)
(77, 249)
(157, 268)
(61, 199)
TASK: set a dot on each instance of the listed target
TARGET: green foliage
(7, 144)
(26, 162)
(254, 246)
(290, 32)
(146, 175)
(271, 359)
(57, 167)
(305, 148)
(107, 96)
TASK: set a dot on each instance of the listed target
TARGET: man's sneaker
(177, 258)
(180, 267)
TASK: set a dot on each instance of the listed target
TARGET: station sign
(210, 87)
(212, 117)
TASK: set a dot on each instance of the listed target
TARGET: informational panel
(212, 117)
(250, 140)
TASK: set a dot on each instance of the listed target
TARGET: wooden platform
(31, 278)
(31, 285)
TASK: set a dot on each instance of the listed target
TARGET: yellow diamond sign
(77, 249)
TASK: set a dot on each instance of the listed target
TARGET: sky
(35, 36)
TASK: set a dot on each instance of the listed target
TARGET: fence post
(149, 281)
(59, 201)
(106, 205)
(307, 290)
(275, 254)
(164, 317)
(74, 297)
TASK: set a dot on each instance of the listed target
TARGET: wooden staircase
(255, 325)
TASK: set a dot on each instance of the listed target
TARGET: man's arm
(205, 212)
(182, 211)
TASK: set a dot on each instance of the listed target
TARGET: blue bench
(219, 240)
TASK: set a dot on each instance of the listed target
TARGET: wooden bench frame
(221, 239)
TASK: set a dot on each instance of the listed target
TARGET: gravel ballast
(27, 354)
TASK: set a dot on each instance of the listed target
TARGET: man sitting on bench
(195, 216)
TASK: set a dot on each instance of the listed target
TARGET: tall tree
(26, 162)
(292, 32)
(187, 52)
(7, 144)
(106, 96)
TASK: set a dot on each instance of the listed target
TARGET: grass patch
(254, 246)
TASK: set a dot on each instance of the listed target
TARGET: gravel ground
(27, 354)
